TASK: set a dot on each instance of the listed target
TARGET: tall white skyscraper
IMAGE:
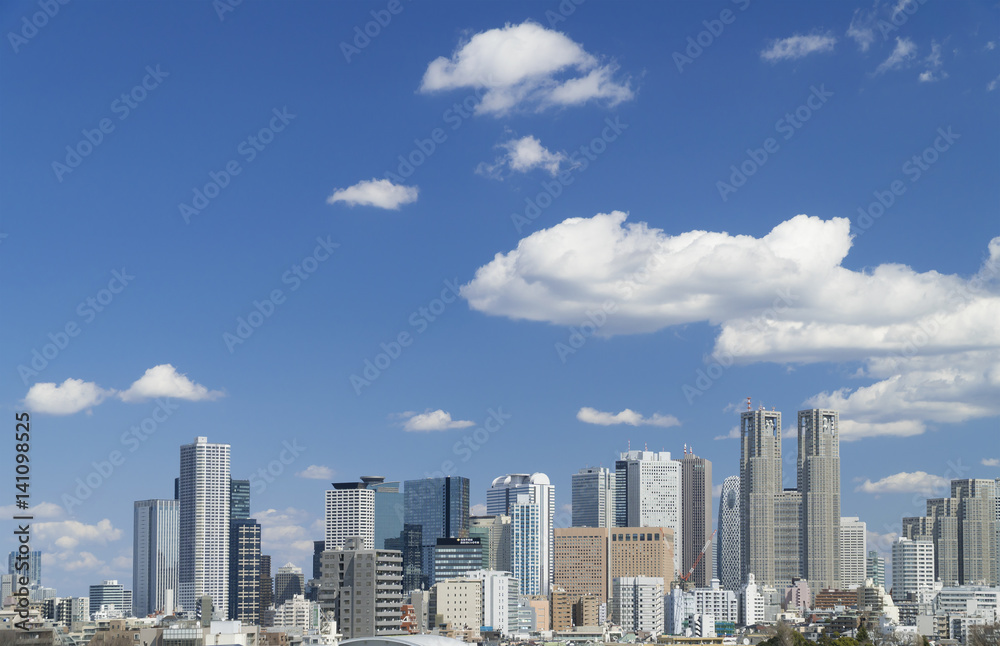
(648, 490)
(912, 567)
(819, 486)
(155, 555)
(204, 525)
(350, 513)
(594, 497)
(853, 552)
(507, 496)
(728, 537)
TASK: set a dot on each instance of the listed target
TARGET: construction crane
(700, 556)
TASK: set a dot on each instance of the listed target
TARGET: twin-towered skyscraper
(788, 533)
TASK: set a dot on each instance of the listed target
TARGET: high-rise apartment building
(853, 552)
(594, 497)
(696, 506)
(912, 567)
(532, 538)
(964, 531)
(363, 587)
(244, 569)
(581, 561)
(637, 603)
(350, 513)
(819, 486)
(648, 494)
(204, 490)
(729, 553)
(500, 599)
(155, 555)
(440, 507)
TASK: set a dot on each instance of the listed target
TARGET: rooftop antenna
(748, 404)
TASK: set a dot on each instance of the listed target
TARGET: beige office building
(458, 603)
(581, 561)
(641, 552)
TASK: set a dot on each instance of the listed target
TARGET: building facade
(349, 513)
(531, 529)
(593, 497)
(729, 554)
(155, 555)
(440, 507)
(648, 494)
(853, 552)
(696, 506)
(363, 588)
(244, 570)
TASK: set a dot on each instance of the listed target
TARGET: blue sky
(627, 132)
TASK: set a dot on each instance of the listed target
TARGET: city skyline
(381, 260)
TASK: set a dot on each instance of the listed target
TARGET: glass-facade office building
(440, 506)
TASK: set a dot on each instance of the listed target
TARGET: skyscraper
(155, 555)
(440, 507)
(288, 582)
(388, 509)
(819, 486)
(875, 568)
(204, 490)
(853, 552)
(648, 494)
(244, 570)
(350, 513)
(508, 492)
(581, 561)
(494, 532)
(912, 567)
(594, 497)
(33, 563)
(760, 484)
(266, 583)
(239, 499)
(696, 505)
(728, 537)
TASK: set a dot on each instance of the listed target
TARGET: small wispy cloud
(795, 47)
(380, 193)
(627, 416)
(523, 155)
(916, 482)
(990, 462)
(437, 420)
(904, 51)
(316, 472)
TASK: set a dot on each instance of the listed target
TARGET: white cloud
(934, 63)
(284, 536)
(990, 462)
(479, 509)
(990, 46)
(380, 193)
(165, 381)
(67, 534)
(627, 416)
(900, 7)
(928, 342)
(437, 420)
(903, 53)
(733, 434)
(525, 66)
(861, 29)
(523, 155)
(316, 472)
(919, 482)
(717, 490)
(992, 85)
(881, 543)
(795, 47)
(72, 396)
(39, 510)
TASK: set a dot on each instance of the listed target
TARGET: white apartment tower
(912, 567)
(648, 488)
(349, 513)
(532, 529)
(853, 552)
(203, 490)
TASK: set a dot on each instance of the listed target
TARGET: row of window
(636, 537)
